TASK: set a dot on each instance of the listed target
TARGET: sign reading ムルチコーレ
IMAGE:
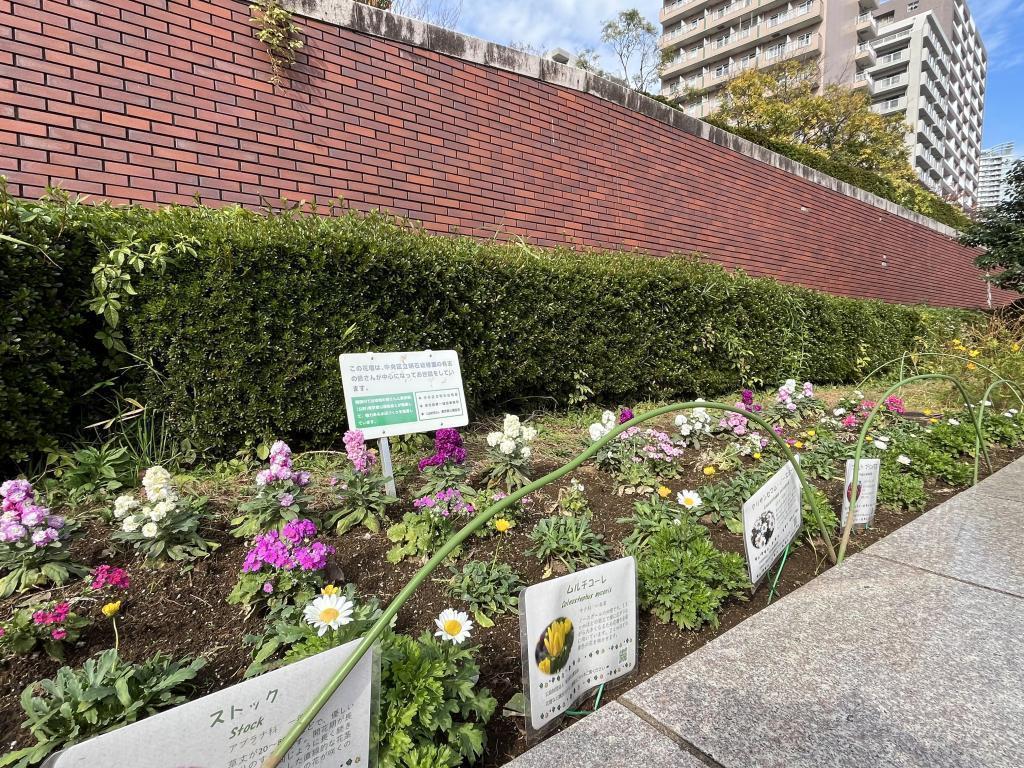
(399, 393)
(771, 520)
(239, 726)
(867, 491)
(578, 632)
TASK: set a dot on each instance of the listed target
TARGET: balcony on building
(799, 49)
(867, 27)
(869, 5)
(865, 56)
(862, 82)
(889, 106)
(676, 9)
(885, 42)
(798, 16)
(885, 85)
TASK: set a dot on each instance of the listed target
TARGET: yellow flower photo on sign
(554, 646)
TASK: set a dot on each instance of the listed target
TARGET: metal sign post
(385, 464)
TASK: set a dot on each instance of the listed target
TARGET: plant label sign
(399, 393)
(771, 520)
(240, 726)
(577, 632)
(867, 491)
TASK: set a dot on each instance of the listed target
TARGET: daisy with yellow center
(664, 491)
(689, 499)
(709, 471)
(503, 524)
(328, 612)
(453, 626)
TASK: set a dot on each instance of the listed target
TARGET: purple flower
(362, 459)
(268, 587)
(287, 500)
(33, 516)
(263, 477)
(302, 479)
(448, 448)
(747, 396)
(39, 537)
(625, 415)
(55, 521)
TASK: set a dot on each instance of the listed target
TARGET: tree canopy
(1000, 231)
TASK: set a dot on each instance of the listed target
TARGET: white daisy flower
(689, 499)
(954, 422)
(453, 626)
(328, 612)
(903, 459)
(881, 444)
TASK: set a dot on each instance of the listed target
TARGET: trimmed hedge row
(244, 335)
(912, 196)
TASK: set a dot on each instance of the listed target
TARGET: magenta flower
(448, 448)
(109, 576)
(626, 414)
(287, 500)
(59, 634)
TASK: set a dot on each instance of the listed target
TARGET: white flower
(790, 385)
(526, 451)
(954, 423)
(576, 485)
(158, 484)
(508, 447)
(881, 444)
(453, 626)
(328, 612)
(123, 505)
(1009, 414)
(528, 434)
(150, 530)
(903, 459)
(510, 426)
(608, 419)
(987, 403)
(131, 524)
(839, 412)
(597, 432)
(689, 499)
(493, 438)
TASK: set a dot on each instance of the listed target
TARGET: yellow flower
(664, 491)
(974, 352)
(757, 454)
(110, 609)
(502, 524)
(971, 366)
(927, 411)
(330, 589)
(554, 638)
(798, 444)
(709, 471)
(957, 343)
(1015, 347)
(811, 433)
(544, 665)
(933, 421)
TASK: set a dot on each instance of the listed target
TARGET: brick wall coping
(372, 21)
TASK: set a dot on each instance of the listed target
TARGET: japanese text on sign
(771, 520)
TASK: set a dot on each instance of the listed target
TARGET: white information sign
(399, 393)
(578, 632)
(240, 726)
(867, 491)
(771, 520)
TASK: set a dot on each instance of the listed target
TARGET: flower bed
(233, 570)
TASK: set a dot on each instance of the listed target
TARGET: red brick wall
(155, 101)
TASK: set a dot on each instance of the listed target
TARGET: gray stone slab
(612, 736)
(872, 664)
(973, 537)
(1007, 483)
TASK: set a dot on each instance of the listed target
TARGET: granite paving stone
(1007, 483)
(612, 736)
(874, 663)
(973, 537)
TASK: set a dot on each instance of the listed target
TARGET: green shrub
(487, 587)
(568, 539)
(901, 490)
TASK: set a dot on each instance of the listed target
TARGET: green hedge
(48, 354)
(913, 196)
(244, 335)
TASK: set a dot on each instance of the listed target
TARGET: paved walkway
(910, 654)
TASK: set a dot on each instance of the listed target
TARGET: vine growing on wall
(278, 31)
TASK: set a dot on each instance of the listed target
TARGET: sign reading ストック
(771, 520)
(867, 491)
(578, 632)
(240, 726)
(399, 393)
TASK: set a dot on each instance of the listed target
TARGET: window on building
(721, 70)
(802, 41)
(886, 18)
(912, 6)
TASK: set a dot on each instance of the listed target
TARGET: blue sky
(576, 24)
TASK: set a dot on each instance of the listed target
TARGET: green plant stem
(844, 542)
(321, 699)
(117, 637)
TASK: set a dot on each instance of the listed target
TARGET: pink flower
(59, 634)
(268, 587)
(850, 421)
(287, 500)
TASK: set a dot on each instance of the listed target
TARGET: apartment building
(930, 66)
(707, 42)
(994, 167)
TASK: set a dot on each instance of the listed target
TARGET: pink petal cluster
(56, 615)
(895, 404)
(659, 446)
(280, 467)
(293, 547)
(735, 422)
(21, 519)
(110, 576)
(445, 503)
(362, 459)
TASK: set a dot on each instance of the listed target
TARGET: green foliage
(419, 534)
(276, 30)
(364, 501)
(175, 537)
(723, 501)
(649, 516)
(488, 587)
(22, 635)
(48, 353)
(684, 578)
(901, 490)
(568, 539)
(432, 711)
(92, 471)
(265, 510)
(105, 694)
(1000, 232)
(26, 566)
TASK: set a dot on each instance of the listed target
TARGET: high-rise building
(707, 42)
(930, 66)
(923, 59)
(995, 165)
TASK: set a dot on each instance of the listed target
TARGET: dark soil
(184, 613)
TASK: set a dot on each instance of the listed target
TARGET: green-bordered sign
(399, 393)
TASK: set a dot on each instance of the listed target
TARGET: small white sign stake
(240, 726)
(578, 632)
(385, 464)
(867, 492)
(771, 521)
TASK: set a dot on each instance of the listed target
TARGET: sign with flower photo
(867, 491)
(771, 521)
(578, 632)
(241, 725)
(400, 393)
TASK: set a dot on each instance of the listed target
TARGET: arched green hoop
(844, 542)
(981, 417)
(300, 725)
(902, 359)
